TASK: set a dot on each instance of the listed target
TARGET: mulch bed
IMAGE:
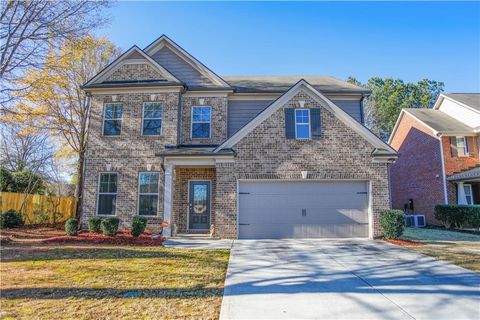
(404, 243)
(122, 238)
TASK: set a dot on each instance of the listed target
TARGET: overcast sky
(411, 41)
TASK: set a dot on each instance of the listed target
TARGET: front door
(199, 205)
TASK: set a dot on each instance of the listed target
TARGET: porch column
(462, 199)
(167, 200)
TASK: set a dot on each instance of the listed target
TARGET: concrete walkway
(344, 279)
(192, 243)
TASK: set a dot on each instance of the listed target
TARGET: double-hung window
(148, 193)
(468, 193)
(107, 194)
(302, 123)
(462, 146)
(152, 118)
(112, 119)
(201, 120)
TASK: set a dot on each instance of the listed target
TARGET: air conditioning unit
(415, 220)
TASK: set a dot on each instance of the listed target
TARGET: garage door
(273, 210)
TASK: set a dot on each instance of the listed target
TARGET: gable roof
(135, 52)
(471, 100)
(164, 40)
(259, 84)
(382, 148)
(439, 121)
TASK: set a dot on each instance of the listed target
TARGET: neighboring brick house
(235, 157)
(438, 154)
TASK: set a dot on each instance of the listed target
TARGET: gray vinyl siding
(352, 107)
(240, 112)
(180, 68)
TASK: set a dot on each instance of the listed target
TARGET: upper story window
(107, 194)
(459, 146)
(201, 120)
(112, 119)
(148, 193)
(302, 123)
(152, 118)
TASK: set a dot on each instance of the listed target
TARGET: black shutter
(316, 123)
(453, 146)
(290, 123)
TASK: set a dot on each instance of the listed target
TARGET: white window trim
(303, 124)
(468, 186)
(104, 119)
(107, 193)
(465, 146)
(148, 194)
(143, 119)
(209, 123)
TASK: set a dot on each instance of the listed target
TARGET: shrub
(110, 226)
(453, 215)
(94, 224)
(393, 223)
(71, 227)
(138, 225)
(11, 219)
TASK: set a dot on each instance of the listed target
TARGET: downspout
(444, 177)
(362, 117)
(179, 118)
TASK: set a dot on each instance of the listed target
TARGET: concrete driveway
(344, 279)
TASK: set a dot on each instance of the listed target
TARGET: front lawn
(462, 249)
(45, 281)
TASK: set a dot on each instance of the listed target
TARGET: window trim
(465, 146)
(143, 119)
(104, 119)
(468, 186)
(209, 122)
(108, 193)
(303, 124)
(149, 194)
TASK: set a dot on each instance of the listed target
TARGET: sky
(411, 40)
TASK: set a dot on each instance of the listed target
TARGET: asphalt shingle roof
(439, 121)
(470, 99)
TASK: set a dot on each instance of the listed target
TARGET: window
(107, 194)
(462, 146)
(148, 193)
(302, 123)
(152, 118)
(112, 124)
(201, 117)
(468, 193)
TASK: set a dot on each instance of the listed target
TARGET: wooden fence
(39, 209)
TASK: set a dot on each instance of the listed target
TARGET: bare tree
(30, 29)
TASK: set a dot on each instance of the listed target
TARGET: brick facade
(417, 173)
(137, 71)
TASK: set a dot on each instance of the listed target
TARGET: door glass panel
(200, 198)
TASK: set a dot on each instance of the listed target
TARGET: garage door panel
(303, 209)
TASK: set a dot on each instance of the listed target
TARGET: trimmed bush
(11, 219)
(138, 225)
(94, 224)
(393, 223)
(71, 227)
(457, 215)
(110, 226)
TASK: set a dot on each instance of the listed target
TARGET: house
(235, 157)
(438, 150)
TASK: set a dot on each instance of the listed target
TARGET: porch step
(194, 236)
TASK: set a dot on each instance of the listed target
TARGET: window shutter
(290, 123)
(316, 123)
(453, 146)
(471, 146)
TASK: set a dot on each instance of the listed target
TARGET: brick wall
(218, 129)
(182, 176)
(137, 71)
(457, 164)
(417, 173)
(265, 153)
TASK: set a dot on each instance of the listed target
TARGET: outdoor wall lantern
(149, 167)
(201, 101)
(108, 166)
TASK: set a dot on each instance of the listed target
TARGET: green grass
(85, 282)
(459, 248)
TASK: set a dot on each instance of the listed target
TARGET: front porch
(467, 185)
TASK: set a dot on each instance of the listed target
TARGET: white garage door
(303, 209)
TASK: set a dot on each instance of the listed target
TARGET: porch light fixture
(108, 166)
(301, 104)
(304, 174)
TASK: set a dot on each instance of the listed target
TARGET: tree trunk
(79, 187)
